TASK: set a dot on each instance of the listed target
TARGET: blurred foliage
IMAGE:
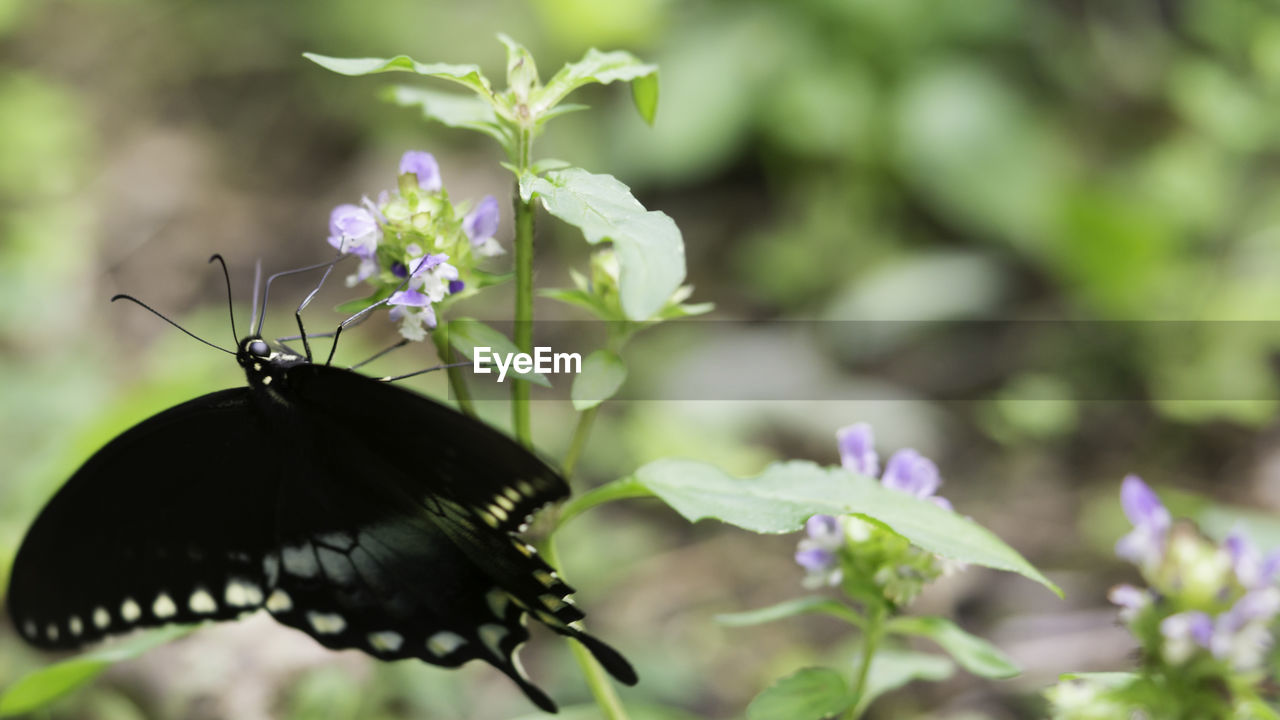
(1075, 160)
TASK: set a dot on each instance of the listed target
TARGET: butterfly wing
(397, 549)
(169, 522)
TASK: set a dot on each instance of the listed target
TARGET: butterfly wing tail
(604, 653)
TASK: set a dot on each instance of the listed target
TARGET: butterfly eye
(259, 348)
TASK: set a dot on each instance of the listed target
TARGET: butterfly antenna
(226, 275)
(423, 372)
(160, 315)
(257, 288)
(266, 291)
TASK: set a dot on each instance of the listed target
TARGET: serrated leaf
(48, 684)
(808, 694)
(787, 494)
(468, 75)
(603, 372)
(451, 109)
(791, 608)
(891, 669)
(603, 68)
(973, 653)
(466, 334)
(648, 245)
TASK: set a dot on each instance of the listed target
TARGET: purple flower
(480, 225)
(910, 472)
(432, 275)
(819, 552)
(815, 560)
(424, 166)
(413, 311)
(857, 449)
(353, 230)
(1184, 633)
(1144, 545)
(1241, 635)
(1131, 600)
(1252, 568)
(456, 286)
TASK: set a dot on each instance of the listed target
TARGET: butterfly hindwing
(166, 523)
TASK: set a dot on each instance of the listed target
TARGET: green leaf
(787, 494)
(522, 74)
(603, 68)
(809, 694)
(648, 244)
(791, 608)
(46, 685)
(973, 653)
(582, 299)
(468, 75)
(603, 372)
(451, 109)
(891, 669)
(466, 334)
(351, 307)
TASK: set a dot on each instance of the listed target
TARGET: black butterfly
(358, 512)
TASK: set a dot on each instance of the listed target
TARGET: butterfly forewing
(167, 523)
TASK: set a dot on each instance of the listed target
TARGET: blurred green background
(1081, 160)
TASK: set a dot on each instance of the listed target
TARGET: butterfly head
(262, 362)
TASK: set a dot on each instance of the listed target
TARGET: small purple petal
(910, 472)
(1192, 625)
(399, 270)
(353, 230)
(410, 298)
(822, 526)
(1128, 597)
(1270, 569)
(857, 449)
(456, 286)
(481, 223)
(815, 559)
(424, 166)
(429, 316)
(426, 262)
(1141, 505)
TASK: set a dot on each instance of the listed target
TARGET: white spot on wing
(544, 577)
(491, 635)
(498, 602)
(513, 494)
(51, 632)
(386, 641)
(202, 602)
(279, 602)
(444, 643)
(504, 502)
(76, 625)
(129, 610)
(552, 603)
(101, 618)
(29, 629)
(242, 593)
(326, 623)
(163, 607)
(498, 512)
(525, 487)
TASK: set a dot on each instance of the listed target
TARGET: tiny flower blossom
(1184, 633)
(1151, 521)
(1241, 635)
(857, 449)
(818, 552)
(424, 166)
(1252, 568)
(910, 472)
(353, 230)
(480, 225)
(1131, 600)
(413, 311)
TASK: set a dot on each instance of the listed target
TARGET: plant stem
(598, 681)
(872, 635)
(524, 294)
(580, 434)
(457, 381)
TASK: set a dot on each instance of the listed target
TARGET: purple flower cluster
(907, 471)
(386, 230)
(1237, 576)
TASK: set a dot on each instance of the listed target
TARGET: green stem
(580, 434)
(457, 381)
(598, 681)
(872, 635)
(524, 295)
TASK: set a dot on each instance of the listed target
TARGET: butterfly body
(358, 512)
